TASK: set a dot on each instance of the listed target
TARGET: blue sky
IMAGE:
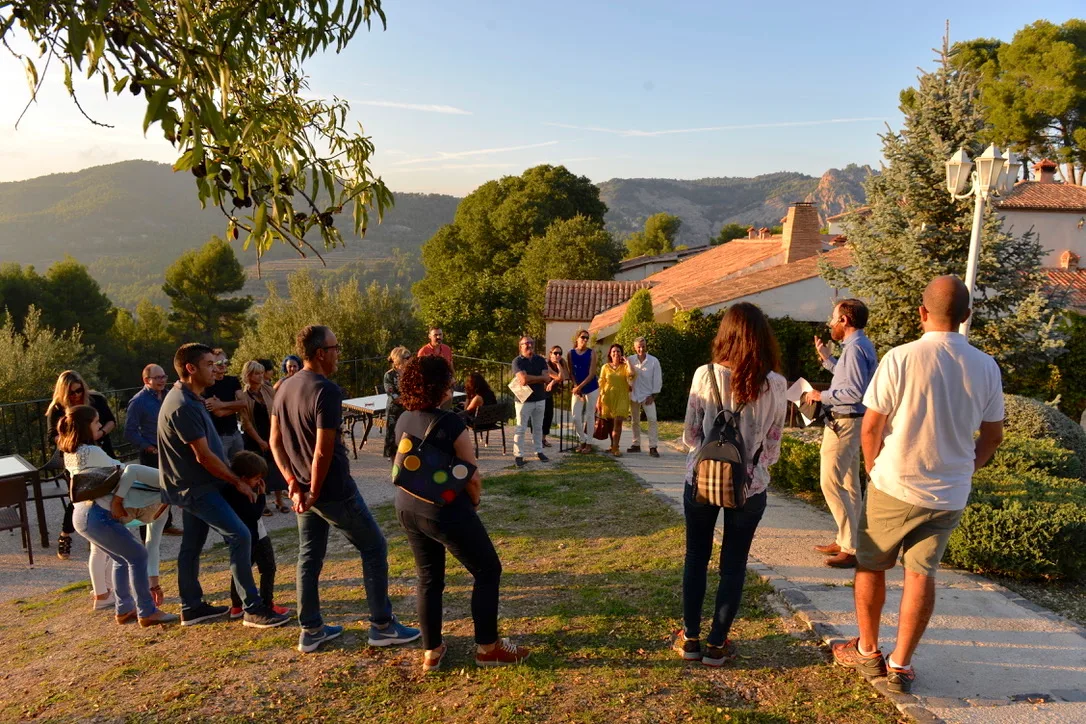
(454, 94)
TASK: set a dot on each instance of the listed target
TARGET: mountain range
(128, 221)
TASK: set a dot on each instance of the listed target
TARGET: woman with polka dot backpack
(438, 489)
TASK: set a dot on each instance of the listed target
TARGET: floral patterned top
(760, 423)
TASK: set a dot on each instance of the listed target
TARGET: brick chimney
(1069, 260)
(752, 233)
(801, 232)
(1046, 171)
(763, 232)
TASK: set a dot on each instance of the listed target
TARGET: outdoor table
(14, 467)
(366, 410)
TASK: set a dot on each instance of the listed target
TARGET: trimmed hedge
(668, 345)
(1021, 539)
(1026, 515)
(1034, 419)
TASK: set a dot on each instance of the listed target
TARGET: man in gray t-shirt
(193, 476)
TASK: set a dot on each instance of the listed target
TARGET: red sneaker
(282, 610)
(505, 653)
(236, 612)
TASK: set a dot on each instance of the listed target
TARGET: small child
(249, 465)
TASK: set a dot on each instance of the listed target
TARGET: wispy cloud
(423, 107)
(579, 159)
(635, 133)
(450, 155)
(457, 167)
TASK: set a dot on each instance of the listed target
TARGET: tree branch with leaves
(224, 82)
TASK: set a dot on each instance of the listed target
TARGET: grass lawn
(593, 564)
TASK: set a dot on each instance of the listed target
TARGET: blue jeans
(97, 525)
(208, 512)
(352, 517)
(739, 527)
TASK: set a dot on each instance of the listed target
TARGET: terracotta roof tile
(708, 267)
(579, 301)
(862, 210)
(1044, 197)
(1073, 282)
(759, 281)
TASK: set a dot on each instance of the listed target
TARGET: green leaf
(97, 48)
(154, 107)
(31, 76)
(260, 220)
(68, 79)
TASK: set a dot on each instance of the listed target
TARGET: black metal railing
(24, 429)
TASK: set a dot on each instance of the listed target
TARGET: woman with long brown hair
(71, 390)
(745, 363)
(616, 377)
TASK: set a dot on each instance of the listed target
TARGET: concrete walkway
(987, 654)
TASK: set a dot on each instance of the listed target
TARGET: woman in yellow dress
(616, 379)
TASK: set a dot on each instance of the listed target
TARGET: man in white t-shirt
(925, 403)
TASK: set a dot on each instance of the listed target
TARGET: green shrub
(1032, 539)
(1034, 419)
(667, 344)
(798, 467)
(1020, 454)
(638, 311)
(1064, 377)
(798, 355)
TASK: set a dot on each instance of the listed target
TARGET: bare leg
(870, 596)
(917, 604)
(616, 434)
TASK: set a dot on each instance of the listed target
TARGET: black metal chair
(13, 513)
(487, 418)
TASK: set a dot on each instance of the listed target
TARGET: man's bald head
(947, 300)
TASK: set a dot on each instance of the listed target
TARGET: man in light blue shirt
(843, 404)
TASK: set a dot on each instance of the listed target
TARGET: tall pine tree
(916, 231)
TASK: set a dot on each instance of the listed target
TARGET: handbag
(424, 471)
(93, 483)
(720, 466)
(603, 428)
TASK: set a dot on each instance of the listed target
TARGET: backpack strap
(716, 388)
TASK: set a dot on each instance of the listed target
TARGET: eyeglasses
(222, 362)
(158, 377)
(336, 347)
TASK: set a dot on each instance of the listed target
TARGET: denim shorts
(889, 527)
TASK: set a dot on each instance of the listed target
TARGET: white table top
(374, 403)
(14, 465)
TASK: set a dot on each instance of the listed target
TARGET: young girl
(247, 464)
(99, 520)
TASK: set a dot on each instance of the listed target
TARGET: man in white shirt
(924, 404)
(646, 387)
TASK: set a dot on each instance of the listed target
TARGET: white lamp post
(993, 175)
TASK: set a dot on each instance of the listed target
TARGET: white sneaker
(101, 604)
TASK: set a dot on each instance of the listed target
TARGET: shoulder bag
(93, 483)
(424, 471)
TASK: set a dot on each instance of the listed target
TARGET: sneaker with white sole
(716, 656)
(203, 612)
(310, 641)
(263, 617)
(394, 634)
(690, 649)
(504, 654)
(102, 604)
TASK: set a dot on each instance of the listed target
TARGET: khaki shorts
(889, 526)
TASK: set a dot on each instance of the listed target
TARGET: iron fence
(24, 429)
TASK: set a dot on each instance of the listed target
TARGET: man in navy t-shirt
(308, 449)
(530, 370)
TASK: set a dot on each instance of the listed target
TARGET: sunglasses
(75, 391)
(584, 338)
(222, 363)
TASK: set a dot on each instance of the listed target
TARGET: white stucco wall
(811, 300)
(561, 333)
(1056, 230)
